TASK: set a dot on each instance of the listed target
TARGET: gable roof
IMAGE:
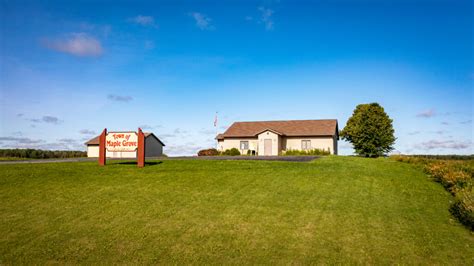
(95, 140)
(296, 128)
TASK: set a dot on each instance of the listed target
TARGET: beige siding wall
(294, 143)
(153, 148)
(279, 144)
(121, 154)
(276, 143)
(93, 151)
(230, 143)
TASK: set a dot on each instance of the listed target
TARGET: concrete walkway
(248, 158)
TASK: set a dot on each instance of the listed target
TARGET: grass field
(333, 210)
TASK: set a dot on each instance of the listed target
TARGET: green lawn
(334, 210)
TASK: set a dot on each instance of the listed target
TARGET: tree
(369, 130)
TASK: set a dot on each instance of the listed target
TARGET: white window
(244, 145)
(306, 145)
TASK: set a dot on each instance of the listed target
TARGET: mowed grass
(332, 210)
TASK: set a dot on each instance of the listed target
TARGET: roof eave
(298, 135)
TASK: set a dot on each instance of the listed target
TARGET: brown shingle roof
(295, 128)
(95, 140)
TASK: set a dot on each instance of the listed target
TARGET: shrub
(232, 152)
(456, 176)
(463, 208)
(450, 175)
(208, 152)
(306, 152)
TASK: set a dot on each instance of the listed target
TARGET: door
(267, 143)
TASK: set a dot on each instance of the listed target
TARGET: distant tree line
(445, 157)
(40, 154)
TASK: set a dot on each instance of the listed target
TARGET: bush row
(236, 152)
(306, 152)
(457, 177)
(40, 154)
(214, 152)
(208, 152)
(231, 152)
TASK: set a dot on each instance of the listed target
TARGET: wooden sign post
(102, 150)
(122, 141)
(141, 149)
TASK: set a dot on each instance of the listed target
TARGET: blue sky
(69, 69)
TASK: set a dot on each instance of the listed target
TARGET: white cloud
(443, 144)
(46, 119)
(149, 45)
(78, 44)
(427, 114)
(143, 20)
(440, 132)
(21, 140)
(178, 131)
(119, 98)
(68, 141)
(145, 127)
(202, 21)
(267, 17)
(86, 132)
(28, 143)
(103, 30)
(207, 131)
(51, 119)
(167, 136)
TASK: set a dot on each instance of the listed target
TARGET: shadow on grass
(135, 163)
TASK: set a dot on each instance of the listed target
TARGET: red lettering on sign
(129, 143)
(113, 143)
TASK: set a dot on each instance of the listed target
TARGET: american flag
(215, 120)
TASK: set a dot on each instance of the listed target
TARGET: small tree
(369, 130)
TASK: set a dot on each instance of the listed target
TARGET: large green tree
(369, 130)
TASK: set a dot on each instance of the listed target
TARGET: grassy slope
(334, 209)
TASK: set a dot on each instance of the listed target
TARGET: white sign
(121, 141)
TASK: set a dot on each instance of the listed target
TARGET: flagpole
(215, 125)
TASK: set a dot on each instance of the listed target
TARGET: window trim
(243, 142)
(308, 147)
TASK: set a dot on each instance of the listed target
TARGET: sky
(69, 69)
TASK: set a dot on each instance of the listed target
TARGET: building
(274, 137)
(153, 148)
